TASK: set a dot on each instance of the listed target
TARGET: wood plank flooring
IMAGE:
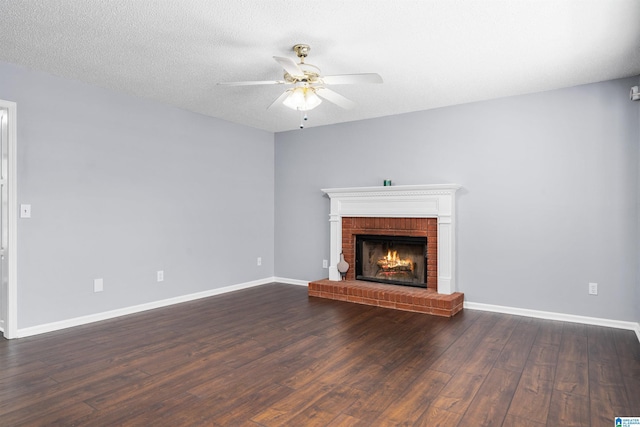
(271, 356)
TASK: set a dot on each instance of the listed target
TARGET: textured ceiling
(429, 53)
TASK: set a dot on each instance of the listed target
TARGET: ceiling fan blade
(347, 79)
(279, 99)
(253, 83)
(335, 97)
(289, 66)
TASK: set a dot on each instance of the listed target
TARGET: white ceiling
(429, 53)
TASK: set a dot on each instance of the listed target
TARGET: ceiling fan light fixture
(302, 98)
(307, 84)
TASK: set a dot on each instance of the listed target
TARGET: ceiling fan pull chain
(303, 118)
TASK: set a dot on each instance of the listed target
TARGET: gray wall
(549, 200)
(121, 187)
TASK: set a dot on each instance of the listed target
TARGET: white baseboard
(69, 323)
(291, 281)
(620, 324)
(55, 326)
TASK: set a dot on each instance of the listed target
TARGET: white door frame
(11, 295)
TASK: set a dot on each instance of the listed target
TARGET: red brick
(369, 301)
(421, 309)
(441, 312)
(419, 300)
(390, 296)
(386, 304)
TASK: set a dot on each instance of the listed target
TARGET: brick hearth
(389, 296)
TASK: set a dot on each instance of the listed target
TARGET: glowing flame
(393, 261)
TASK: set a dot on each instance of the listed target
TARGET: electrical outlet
(259, 261)
(593, 289)
(160, 275)
(325, 263)
(98, 285)
(25, 211)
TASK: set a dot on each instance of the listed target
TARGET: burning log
(393, 263)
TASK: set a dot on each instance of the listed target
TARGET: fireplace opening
(398, 260)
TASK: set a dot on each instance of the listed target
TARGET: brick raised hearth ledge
(389, 296)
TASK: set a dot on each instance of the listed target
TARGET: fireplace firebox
(398, 260)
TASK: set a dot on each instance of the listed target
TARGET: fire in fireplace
(399, 260)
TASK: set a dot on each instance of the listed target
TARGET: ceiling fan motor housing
(311, 74)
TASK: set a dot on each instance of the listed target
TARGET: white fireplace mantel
(400, 201)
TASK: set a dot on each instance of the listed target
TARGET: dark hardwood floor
(271, 356)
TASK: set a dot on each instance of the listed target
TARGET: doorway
(8, 224)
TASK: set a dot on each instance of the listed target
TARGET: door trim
(11, 297)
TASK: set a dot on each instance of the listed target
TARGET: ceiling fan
(309, 86)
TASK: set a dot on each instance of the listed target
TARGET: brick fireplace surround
(428, 217)
(416, 227)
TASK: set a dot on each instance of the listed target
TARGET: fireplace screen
(399, 260)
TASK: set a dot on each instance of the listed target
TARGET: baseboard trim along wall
(78, 321)
(292, 281)
(69, 323)
(619, 324)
